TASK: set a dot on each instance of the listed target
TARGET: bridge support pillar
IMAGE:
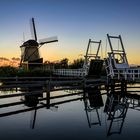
(48, 95)
(112, 82)
(123, 87)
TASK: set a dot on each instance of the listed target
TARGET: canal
(85, 115)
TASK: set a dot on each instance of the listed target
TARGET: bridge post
(48, 94)
(112, 83)
(123, 86)
(16, 83)
(83, 83)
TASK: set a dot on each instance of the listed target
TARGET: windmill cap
(30, 43)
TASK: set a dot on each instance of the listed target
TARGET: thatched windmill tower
(30, 57)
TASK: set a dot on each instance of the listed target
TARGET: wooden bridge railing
(128, 74)
(70, 72)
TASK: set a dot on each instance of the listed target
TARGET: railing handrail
(70, 72)
(128, 73)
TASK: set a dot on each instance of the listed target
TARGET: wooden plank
(20, 86)
(38, 107)
(21, 94)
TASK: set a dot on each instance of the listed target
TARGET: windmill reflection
(93, 101)
(116, 108)
(39, 101)
(32, 101)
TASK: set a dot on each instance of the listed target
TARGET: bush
(34, 73)
(8, 71)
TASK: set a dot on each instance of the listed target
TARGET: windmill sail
(48, 40)
(33, 29)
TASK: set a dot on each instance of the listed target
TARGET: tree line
(65, 64)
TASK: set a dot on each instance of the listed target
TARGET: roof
(29, 43)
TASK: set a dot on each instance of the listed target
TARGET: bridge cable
(102, 51)
(118, 49)
(106, 48)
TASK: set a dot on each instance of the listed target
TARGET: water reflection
(116, 107)
(113, 107)
(93, 101)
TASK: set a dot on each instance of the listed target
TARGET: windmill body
(30, 51)
(30, 57)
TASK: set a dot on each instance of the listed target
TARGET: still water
(69, 118)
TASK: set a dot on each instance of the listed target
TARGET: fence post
(48, 94)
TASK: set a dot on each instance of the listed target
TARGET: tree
(64, 63)
(78, 63)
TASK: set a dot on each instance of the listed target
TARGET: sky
(74, 22)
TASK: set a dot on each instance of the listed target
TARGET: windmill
(30, 57)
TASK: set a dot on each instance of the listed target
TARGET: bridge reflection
(116, 107)
(93, 101)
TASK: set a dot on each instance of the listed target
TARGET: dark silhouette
(116, 108)
(93, 101)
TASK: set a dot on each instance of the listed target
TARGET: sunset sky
(73, 21)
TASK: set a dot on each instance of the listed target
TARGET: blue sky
(73, 21)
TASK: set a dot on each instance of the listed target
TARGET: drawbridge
(116, 64)
(92, 63)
